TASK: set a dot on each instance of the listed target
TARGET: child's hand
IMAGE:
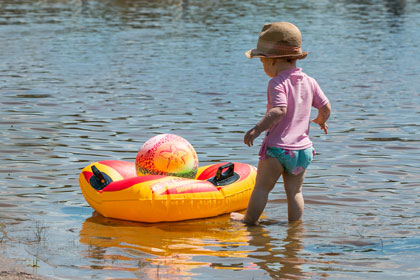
(323, 115)
(322, 125)
(250, 136)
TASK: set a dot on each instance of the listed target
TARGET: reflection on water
(170, 246)
(184, 248)
(82, 81)
(281, 258)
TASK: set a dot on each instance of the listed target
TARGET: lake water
(82, 81)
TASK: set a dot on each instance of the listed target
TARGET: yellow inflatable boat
(114, 190)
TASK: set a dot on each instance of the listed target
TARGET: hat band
(270, 46)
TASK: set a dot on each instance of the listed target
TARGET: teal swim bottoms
(294, 162)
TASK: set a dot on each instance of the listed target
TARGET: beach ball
(167, 154)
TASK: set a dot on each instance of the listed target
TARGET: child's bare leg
(269, 171)
(293, 188)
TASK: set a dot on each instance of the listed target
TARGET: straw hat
(278, 39)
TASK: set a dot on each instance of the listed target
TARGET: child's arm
(271, 118)
(323, 115)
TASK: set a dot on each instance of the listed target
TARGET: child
(286, 149)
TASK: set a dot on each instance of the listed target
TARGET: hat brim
(256, 53)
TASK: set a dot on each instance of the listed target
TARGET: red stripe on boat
(127, 171)
(87, 175)
(125, 168)
(124, 184)
(242, 169)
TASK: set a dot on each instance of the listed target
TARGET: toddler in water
(286, 149)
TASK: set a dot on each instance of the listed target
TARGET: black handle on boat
(99, 180)
(224, 178)
(98, 174)
(228, 173)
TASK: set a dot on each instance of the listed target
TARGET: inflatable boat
(114, 190)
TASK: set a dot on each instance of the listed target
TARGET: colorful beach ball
(167, 154)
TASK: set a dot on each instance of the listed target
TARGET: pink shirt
(299, 93)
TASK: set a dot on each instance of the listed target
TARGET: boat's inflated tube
(114, 190)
